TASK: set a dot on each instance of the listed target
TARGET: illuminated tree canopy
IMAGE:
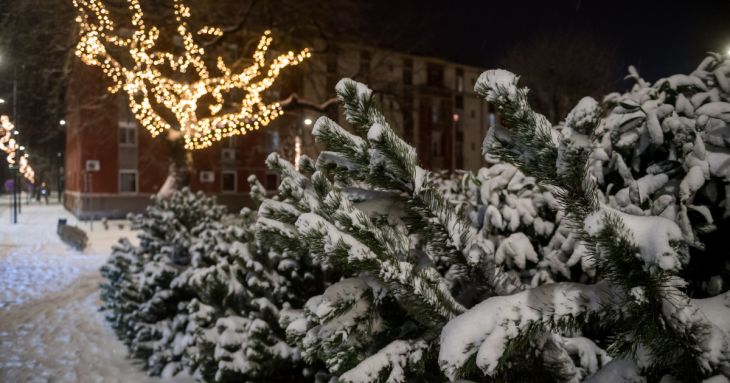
(167, 89)
(10, 146)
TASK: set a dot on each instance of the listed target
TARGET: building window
(492, 120)
(127, 134)
(408, 123)
(233, 49)
(271, 181)
(407, 72)
(364, 65)
(228, 181)
(230, 142)
(273, 141)
(436, 144)
(435, 110)
(127, 181)
(459, 80)
(435, 74)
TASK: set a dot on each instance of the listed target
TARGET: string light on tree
(10, 146)
(152, 79)
(25, 168)
(7, 141)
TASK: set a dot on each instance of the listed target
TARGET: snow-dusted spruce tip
(641, 178)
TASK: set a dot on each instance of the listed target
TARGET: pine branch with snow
(655, 323)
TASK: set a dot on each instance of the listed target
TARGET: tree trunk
(181, 162)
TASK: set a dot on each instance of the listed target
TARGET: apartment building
(113, 165)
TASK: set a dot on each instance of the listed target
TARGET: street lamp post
(58, 175)
(14, 212)
(18, 181)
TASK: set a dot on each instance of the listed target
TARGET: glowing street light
(2, 100)
(62, 122)
(307, 121)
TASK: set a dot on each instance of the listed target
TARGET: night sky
(659, 37)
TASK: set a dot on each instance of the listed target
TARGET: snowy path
(50, 329)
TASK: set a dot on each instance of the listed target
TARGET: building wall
(87, 134)
(429, 101)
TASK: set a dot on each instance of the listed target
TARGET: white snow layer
(363, 91)
(500, 82)
(50, 326)
(486, 328)
(392, 358)
(652, 235)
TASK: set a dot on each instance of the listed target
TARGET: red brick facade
(93, 124)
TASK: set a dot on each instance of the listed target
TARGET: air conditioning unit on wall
(207, 176)
(93, 165)
(228, 154)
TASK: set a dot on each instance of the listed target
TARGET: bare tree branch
(293, 102)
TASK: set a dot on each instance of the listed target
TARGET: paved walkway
(50, 327)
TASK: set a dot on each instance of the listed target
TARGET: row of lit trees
(10, 146)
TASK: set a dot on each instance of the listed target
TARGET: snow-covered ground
(50, 326)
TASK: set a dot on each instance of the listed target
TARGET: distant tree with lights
(176, 91)
(10, 146)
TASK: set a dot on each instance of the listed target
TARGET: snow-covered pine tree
(663, 149)
(522, 220)
(145, 300)
(239, 289)
(409, 258)
(637, 237)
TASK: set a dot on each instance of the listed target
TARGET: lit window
(435, 110)
(127, 181)
(273, 141)
(228, 181)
